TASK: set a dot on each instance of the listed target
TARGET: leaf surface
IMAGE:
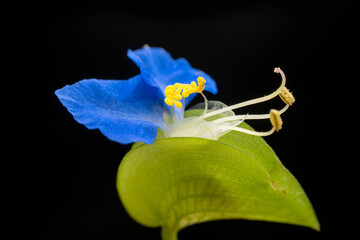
(177, 182)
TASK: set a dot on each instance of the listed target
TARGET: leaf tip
(317, 227)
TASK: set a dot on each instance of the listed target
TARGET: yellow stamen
(193, 84)
(177, 85)
(178, 104)
(169, 101)
(201, 82)
(178, 91)
(287, 96)
(275, 119)
(170, 87)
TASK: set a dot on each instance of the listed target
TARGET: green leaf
(177, 182)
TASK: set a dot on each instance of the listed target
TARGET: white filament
(248, 117)
(253, 101)
(261, 134)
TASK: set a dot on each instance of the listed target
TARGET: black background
(59, 178)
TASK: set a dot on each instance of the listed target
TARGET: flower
(203, 127)
(131, 111)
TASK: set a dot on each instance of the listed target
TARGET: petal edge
(124, 111)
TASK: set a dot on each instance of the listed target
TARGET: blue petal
(159, 69)
(124, 111)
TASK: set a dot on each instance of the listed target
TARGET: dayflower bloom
(133, 110)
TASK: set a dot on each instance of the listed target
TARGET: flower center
(178, 91)
(205, 126)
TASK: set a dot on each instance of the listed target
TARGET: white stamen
(183, 108)
(253, 101)
(261, 134)
(173, 113)
(206, 104)
(275, 120)
(245, 117)
(248, 117)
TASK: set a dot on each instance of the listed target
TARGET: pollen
(275, 119)
(201, 82)
(175, 93)
(287, 96)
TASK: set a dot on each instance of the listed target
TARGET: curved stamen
(206, 104)
(275, 120)
(247, 131)
(248, 117)
(253, 101)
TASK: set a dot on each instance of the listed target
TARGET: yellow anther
(178, 97)
(275, 119)
(287, 96)
(185, 94)
(173, 95)
(178, 91)
(170, 87)
(201, 83)
(169, 101)
(169, 92)
(178, 104)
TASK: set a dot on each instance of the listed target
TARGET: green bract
(177, 182)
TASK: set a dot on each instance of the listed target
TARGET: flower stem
(168, 234)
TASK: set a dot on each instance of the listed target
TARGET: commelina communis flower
(133, 110)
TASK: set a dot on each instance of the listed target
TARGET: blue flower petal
(124, 111)
(159, 69)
